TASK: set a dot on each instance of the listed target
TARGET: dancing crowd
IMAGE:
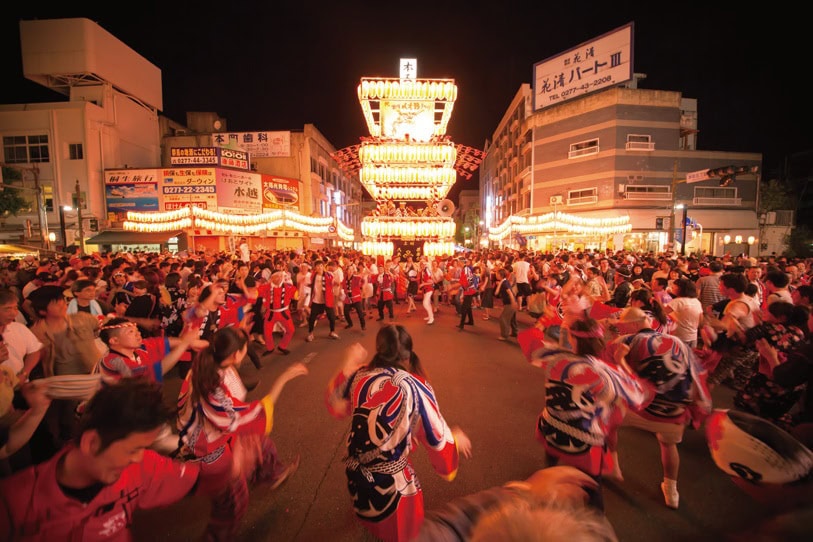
(623, 339)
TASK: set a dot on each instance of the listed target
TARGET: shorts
(667, 433)
(412, 288)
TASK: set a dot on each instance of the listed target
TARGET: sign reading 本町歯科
(594, 65)
(131, 190)
(183, 187)
(239, 192)
(258, 144)
(209, 156)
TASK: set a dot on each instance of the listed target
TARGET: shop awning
(121, 237)
(17, 251)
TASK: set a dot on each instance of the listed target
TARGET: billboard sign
(594, 65)
(131, 190)
(279, 192)
(258, 144)
(183, 187)
(209, 156)
(239, 192)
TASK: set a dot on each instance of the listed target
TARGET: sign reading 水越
(239, 192)
(600, 63)
(258, 144)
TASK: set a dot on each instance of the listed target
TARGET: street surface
(487, 388)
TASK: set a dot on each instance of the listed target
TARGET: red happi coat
(327, 282)
(385, 286)
(276, 297)
(426, 283)
(352, 288)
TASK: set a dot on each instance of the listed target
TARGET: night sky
(278, 65)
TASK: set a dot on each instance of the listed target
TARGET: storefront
(131, 241)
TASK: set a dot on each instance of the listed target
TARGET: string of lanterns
(194, 216)
(443, 154)
(561, 222)
(407, 89)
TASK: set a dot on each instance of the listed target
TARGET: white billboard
(258, 144)
(593, 65)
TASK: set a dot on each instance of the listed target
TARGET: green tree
(799, 242)
(11, 202)
(775, 195)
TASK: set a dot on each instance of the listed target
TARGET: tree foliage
(11, 201)
(775, 195)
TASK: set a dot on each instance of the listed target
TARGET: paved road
(487, 388)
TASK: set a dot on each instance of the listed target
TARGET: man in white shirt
(245, 253)
(520, 269)
(19, 349)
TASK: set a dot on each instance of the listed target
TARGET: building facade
(112, 121)
(623, 152)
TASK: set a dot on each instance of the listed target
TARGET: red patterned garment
(391, 411)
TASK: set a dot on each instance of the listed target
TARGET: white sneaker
(309, 338)
(333, 335)
(670, 495)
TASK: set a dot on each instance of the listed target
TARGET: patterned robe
(391, 409)
(582, 396)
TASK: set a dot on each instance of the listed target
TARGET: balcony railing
(585, 200)
(717, 201)
(587, 151)
(640, 146)
(658, 196)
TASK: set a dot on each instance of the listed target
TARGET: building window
(584, 196)
(639, 142)
(583, 148)
(25, 149)
(76, 151)
(646, 191)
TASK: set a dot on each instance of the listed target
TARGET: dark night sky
(277, 65)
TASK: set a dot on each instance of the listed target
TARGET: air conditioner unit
(180, 132)
(557, 200)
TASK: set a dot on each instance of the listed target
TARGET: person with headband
(392, 406)
(277, 298)
(584, 400)
(227, 434)
(681, 394)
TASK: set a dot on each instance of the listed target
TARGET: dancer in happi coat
(278, 295)
(584, 400)
(393, 407)
(226, 434)
(353, 288)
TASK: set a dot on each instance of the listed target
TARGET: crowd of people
(624, 339)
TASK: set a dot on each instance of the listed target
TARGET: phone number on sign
(189, 190)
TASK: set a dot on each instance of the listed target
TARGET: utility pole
(672, 210)
(79, 218)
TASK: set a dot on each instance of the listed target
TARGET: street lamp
(466, 239)
(751, 240)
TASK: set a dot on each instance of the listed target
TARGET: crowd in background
(742, 322)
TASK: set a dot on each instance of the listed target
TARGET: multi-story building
(617, 153)
(112, 121)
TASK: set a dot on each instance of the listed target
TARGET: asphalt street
(487, 388)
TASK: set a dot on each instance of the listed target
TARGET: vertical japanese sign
(258, 144)
(593, 65)
(239, 192)
(280, 192)
(183, 187)
(131, 190)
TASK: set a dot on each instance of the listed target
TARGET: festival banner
(239, 192)
(184, 187)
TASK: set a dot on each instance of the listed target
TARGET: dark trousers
(349, 308)
(466, 313)
(382, 304)
(316, 310)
